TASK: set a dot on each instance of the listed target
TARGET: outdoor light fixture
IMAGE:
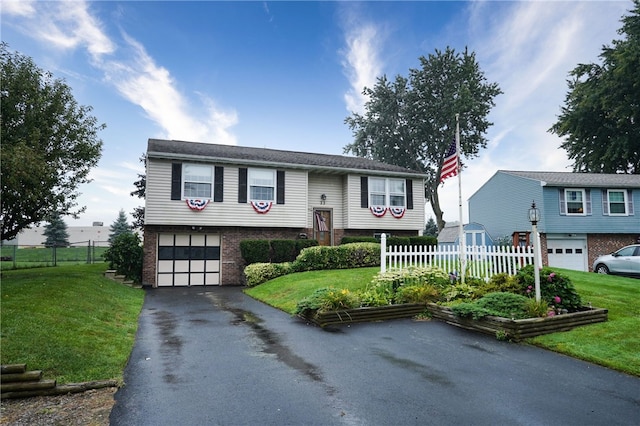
(534, 218)
(323, 198)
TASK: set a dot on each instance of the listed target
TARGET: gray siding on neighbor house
(595, 223)
(502, 204)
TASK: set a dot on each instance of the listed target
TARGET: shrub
(255, 251)
(507, 305)
(398, 241)
(125, 256)
(424, 240)
(283, 250)
(417, 294)
(304, 243)
(412, 276)
(536, 308)
(460, 291)
(327, 299)
(258, 273)
(349, 240)
(503, 283)
(353, 255)
(376, 296)
(553, 286)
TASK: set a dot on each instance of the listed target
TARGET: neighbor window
(387, 192)
(197, 181)
(617, 201)
(575, 199)
(262, 184)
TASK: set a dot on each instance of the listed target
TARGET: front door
(322, 226)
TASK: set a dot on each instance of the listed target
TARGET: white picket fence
(481, 261)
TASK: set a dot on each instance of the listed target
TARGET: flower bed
(522, 328)
(367, 314)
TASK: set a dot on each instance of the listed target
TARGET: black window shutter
(409, 189)
(176, 181)
(218, 183)
(242, 185)
(364, 192)
(280, 187)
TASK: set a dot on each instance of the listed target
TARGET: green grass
(614, 344)
(68, 321)
(285, 292)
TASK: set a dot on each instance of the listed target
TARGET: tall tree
(600, 120)
(120, 226)
(49, 144)
(411, 121)
(56, 232)
(141, 188)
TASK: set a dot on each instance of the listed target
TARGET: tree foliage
(600, 120)
(140, 192)
(49, 144)
(431, 228)
(120, 226)
(56, 232)
(411, 121)
(125, 255)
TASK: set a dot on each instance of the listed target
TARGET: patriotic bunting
(197, 205)
(262, 207)
(378, 211)
(397, 212)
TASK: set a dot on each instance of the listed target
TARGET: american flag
(450, 164)
(322, 225)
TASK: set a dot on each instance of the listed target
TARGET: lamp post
(534, 217)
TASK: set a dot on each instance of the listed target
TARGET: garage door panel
(568, 254)
(188, 259)
(213, 279)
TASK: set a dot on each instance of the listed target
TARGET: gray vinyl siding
(502, 204)
(331, 186)
(161, 210)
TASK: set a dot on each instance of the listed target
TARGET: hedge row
(274, 251)
(426, 240)
(354, 255)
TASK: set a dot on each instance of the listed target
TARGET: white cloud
(18, 8)
(361, 57)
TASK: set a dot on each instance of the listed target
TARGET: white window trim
(624, 197)
(567, 201)
(184, 181)
(387, 192)
(273, 179)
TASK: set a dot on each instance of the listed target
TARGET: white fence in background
(481, 261)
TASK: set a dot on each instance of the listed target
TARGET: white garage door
(188, 259)
(568, 254)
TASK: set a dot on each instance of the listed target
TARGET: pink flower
(551, 276)
(557, 299)
(551, 314)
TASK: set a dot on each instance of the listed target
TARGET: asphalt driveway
(214, 356)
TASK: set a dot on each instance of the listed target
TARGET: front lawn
(614, 344)
(69, 321)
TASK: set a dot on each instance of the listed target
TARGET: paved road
(218, 357)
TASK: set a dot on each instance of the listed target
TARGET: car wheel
(602, 269)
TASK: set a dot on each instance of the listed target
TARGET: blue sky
(285, 75)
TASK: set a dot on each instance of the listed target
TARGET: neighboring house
(203, 199)
(475, 234)
(583, 215)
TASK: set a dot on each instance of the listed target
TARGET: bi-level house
(583, 215)
(203, 199)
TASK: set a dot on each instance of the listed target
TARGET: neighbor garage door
(568, 254)
(188, 259)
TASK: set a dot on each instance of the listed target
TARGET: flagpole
(463, 255)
